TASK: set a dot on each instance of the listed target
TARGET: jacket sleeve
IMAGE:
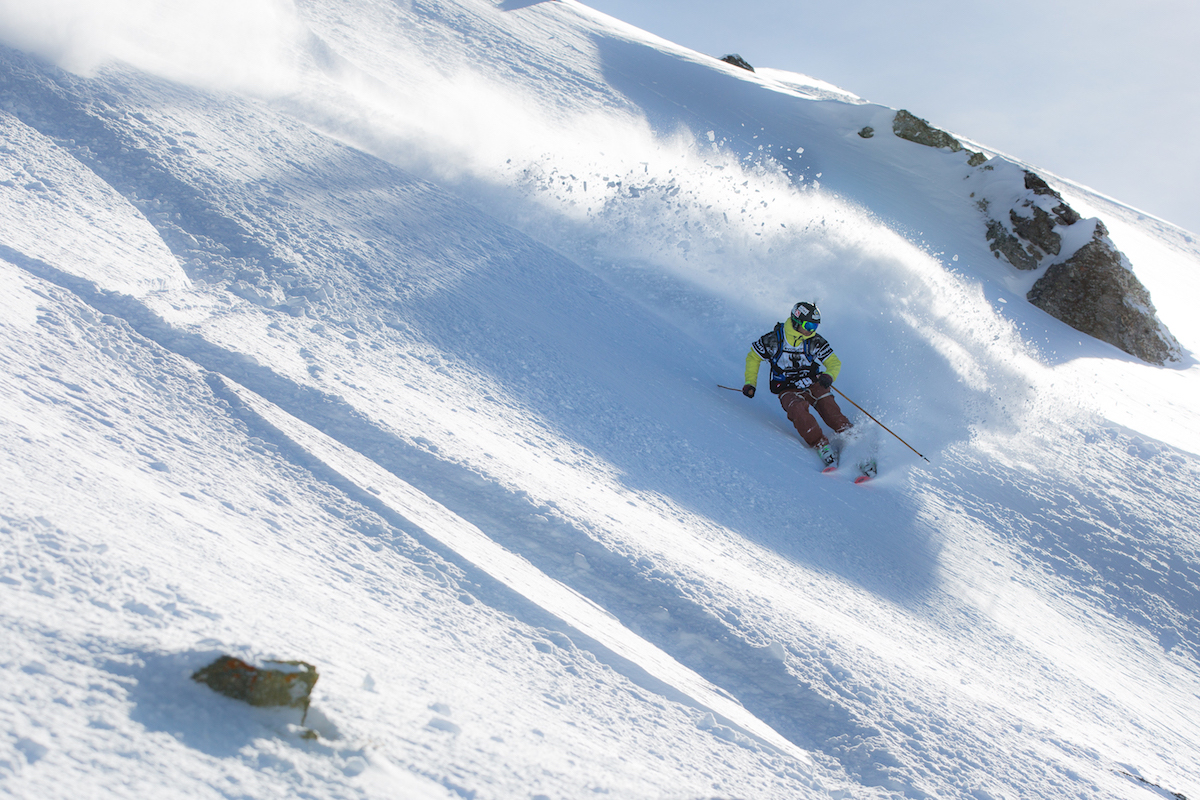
(762, 349)
(753, 359)
(833, 365)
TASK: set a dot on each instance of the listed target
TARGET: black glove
(748, 390)
(825, 380)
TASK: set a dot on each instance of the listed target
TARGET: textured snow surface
(388, 339)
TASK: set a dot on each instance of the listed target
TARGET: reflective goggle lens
(804, 325)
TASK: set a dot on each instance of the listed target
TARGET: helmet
(805, 317)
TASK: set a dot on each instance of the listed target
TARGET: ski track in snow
(487, 483)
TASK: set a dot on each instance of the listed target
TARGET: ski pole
(877, 422)
(730, 388)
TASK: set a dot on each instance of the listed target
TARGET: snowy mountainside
(402, 359)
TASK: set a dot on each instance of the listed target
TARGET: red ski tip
(862, 479)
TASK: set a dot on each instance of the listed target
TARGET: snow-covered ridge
(479, 269)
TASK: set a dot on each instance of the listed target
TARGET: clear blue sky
(1104, 93)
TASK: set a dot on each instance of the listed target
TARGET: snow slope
(388, 337)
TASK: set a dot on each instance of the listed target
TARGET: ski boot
(825, 451)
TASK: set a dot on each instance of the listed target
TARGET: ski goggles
(806, 325)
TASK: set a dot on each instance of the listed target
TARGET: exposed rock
(1031, 235)
(1004, 243)
(289, 684)
(737, 61)
(1065, 214)
(1093, 289)
(1038, 230)
(867, 132)
(1096, 292)
(1038, 186)
(914, 129)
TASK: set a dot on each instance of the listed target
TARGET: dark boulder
(737, 61)
(289, 683)
(914, 129)
(1092, 289)
(1063, 213)
(1036, 184)
(1038, 230)
(1096, 292)
(1004, 244)
(1032, 234)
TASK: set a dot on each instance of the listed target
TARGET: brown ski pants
(795, 404)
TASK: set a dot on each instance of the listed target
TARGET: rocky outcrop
(285, 683)
(737, 61)
(1096, 292)
(1038, 230)
(914, 129)
(1088, 283)
(1034, 220)
(1062, 212)
(1004, 243)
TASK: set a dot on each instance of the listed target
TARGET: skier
(796, 352)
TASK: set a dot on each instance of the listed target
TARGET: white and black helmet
(805, 317)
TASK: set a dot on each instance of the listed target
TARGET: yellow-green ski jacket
(799, 356)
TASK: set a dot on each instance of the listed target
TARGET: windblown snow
(387, 336)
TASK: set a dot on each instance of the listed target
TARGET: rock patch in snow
(289, 683)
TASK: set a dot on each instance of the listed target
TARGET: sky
(1102, 93)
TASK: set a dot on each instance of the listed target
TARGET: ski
(866, 470)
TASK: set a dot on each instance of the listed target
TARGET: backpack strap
(776, 372)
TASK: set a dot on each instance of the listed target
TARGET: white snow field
(387, 334)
